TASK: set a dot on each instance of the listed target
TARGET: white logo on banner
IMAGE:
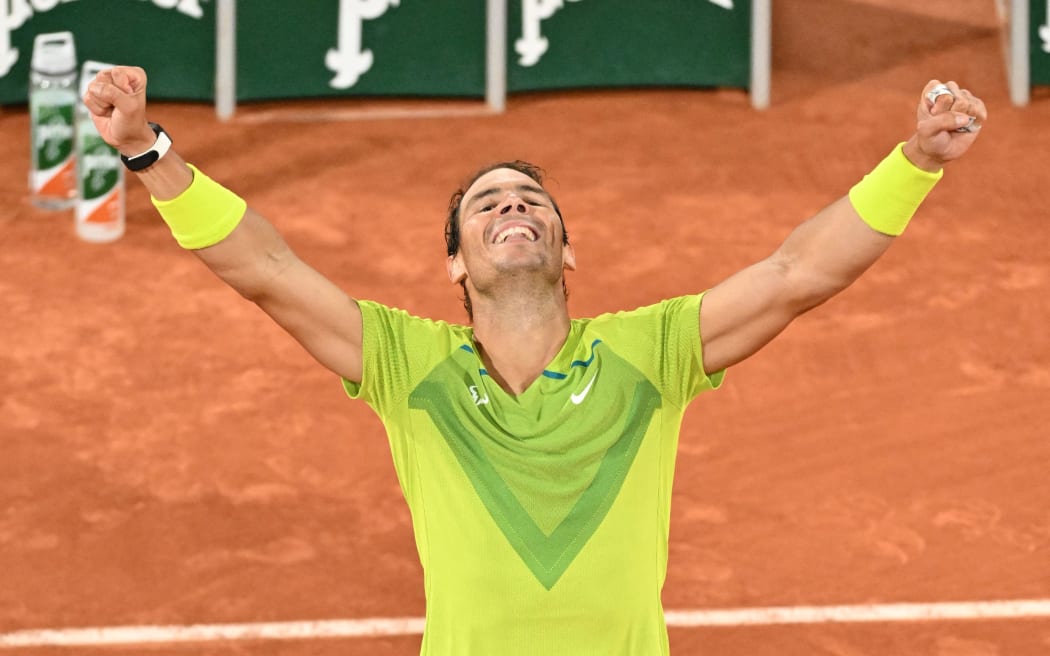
(532, 45)
(1044, 30)
(16, 12)
(347, 60)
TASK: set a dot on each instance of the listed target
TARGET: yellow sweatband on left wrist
(888, 197)
(202, 215)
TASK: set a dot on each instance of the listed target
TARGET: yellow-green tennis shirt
(541, 520)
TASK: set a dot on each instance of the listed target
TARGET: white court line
(292, 115)
(124, 635)
(964, 610)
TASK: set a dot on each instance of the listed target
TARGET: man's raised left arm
(826, 253)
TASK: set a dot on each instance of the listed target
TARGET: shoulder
(395, 320)
(669, 308)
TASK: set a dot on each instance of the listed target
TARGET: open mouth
(517, 232)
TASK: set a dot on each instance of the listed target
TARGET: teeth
(515, 230)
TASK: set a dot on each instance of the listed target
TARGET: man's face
(508, 225)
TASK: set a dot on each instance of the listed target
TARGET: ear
(457, 273)
(568, 257)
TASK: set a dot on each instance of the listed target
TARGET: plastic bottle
(52, 98)
(100, 174)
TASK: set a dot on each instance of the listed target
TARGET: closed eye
(537, 201)
(491, 206)
(530, 194)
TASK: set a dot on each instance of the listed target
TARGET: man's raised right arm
(252, 257)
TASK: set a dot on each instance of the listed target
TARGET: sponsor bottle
(52, 98)
(99, 208)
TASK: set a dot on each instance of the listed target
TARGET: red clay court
(168, 457)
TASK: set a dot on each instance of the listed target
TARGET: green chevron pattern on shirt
(547, 498)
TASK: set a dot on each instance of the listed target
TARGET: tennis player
(535, 450)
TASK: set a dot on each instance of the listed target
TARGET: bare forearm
(255, 261)
(241, 247)
(250, 258)
(825, 254)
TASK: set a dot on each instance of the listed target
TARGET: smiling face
(507, 227)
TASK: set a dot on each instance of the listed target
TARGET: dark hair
(456, 202)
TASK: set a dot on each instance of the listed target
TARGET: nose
(513, 203)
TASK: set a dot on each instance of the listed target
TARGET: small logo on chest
(480, 398)
(578, 398)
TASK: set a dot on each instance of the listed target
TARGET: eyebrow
(521, 188)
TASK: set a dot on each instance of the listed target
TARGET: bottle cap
(54, 54)
(88, 70)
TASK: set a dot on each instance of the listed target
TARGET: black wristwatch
(149, 158)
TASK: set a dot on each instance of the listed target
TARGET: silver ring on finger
(940, 90)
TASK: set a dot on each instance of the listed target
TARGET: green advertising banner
(360, 48)
(174, 40)
(423, 48)
(602, 43)
(1039, 46)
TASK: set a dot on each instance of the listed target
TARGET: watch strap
(150, 157)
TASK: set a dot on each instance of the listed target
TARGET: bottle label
(99, 176)
(53, 166)
(105, 210)
(53, 135)
(99, 167)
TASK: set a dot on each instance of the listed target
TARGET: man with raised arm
(535, 450)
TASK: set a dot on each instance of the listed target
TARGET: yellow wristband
(888, 196)
(202, 215)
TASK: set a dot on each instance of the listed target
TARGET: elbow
(813, 294)
(805, 288)
(257, 279)
(809, 290)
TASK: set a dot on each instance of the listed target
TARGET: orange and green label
(53, 173)
(98, 179)
(99, 167)
(107, 211)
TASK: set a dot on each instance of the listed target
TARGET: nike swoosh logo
(578, 398)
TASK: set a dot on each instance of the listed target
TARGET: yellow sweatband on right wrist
(202, 215)
(887, 197)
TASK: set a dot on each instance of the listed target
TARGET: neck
(519, 334)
